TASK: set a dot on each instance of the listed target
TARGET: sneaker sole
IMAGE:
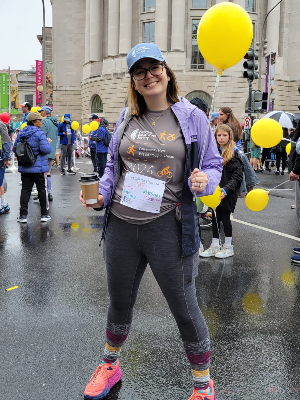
(296, 252)
(22, 222)
(112, 382)
(200, 255)
(45, 220)
(231, 255)
(295, 261)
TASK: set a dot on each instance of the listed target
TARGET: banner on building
(270, 77)
(4, 93)
(14, 93)
(39, 81)
(49, 85)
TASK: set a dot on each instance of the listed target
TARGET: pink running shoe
(204, 396)
(103, 379)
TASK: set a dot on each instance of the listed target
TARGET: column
(113, 27)
(178, 25)
(273, 21)
(161, 24)
(125, 26)
(87, 31)
(95, 30)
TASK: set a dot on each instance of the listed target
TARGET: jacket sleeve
(212, 161)
(44, 145)
(15, 143)
(6, 151)
(236, 177)
(107, 181)
(60, 129)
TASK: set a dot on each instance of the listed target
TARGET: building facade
(92, 37)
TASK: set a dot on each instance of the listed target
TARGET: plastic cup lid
(89, 178)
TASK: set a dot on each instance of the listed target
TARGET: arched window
(202, 95)
(97, 105)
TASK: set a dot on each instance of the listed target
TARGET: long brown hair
(136, 102)
(233, 123)
(228, 149)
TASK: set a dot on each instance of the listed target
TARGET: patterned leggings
(128, 248)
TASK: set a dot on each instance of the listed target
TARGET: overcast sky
(20, 23)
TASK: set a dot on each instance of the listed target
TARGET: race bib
(142, 193)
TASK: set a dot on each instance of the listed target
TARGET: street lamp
(40, 89)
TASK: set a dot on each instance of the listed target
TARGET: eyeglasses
(155, 69)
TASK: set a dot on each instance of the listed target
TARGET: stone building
(92, 37)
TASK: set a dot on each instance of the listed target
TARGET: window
(29, 98)
(148, 34)
(250, 5)
(199, 3)
(149, 5)
(197, 61)
(202, 95)
(97, 105)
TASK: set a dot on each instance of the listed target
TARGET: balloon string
(208, 125)
(280, 185)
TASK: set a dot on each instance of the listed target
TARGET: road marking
(12, 288)
(266, 229)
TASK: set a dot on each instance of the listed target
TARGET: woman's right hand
(99, 203)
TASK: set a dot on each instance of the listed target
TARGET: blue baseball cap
(213, 116)
(143, 50)
(46, 108)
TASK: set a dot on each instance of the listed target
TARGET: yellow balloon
(213, 200)
(288, 148)
(266, 132)
(94, 125)
(86, 129)
(75, 125)
(23, 125)
(62, 119)
(257, 199)
(224, 35)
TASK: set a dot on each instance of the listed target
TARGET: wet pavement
(52, 330)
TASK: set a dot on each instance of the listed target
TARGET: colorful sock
(199, 357)
(115, 336)
(228, 241)
(49, 187)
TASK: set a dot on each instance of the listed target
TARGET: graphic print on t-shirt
(151, 151)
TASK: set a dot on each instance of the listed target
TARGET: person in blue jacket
(41, 147)
(92, 142)
(26, 107)
(67, 140)
(101, 149)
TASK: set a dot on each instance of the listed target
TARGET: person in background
(232, 177)
(26, 107)
(153, 139)
(101, 149)
(92, 142)
(35, 173)
(214, 120)
(280, 151)
(49, 126)
(254, 153)
(67, 141)
(201, 104)
(5, 150)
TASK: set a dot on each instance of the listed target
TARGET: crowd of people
(148, 186)
(52, 144)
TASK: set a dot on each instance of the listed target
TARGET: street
(53, 324)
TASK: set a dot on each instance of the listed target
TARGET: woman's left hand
(199, 180)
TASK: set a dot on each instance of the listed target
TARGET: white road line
(266, 229)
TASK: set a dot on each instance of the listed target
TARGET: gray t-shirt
(156, 151)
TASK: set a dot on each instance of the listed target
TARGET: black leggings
(128, 250)
(281, 156)
(223, 215)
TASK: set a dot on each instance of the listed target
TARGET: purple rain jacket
(193, 123)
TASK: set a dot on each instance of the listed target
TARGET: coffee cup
(90, 187)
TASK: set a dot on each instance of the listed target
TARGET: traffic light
(250, 65)
(260, 101)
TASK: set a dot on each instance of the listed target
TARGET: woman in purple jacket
(148, 189)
